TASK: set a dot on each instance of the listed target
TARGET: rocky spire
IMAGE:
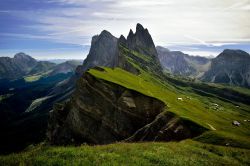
(102, 51)
(141, 41)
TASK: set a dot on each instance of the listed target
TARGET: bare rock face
(141, 41)
(106, 50)
(167, 127)
(101, 112)
(102, 51)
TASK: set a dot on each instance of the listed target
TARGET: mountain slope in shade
(179, 63)
(230, 67)
(24, 113)
(13, 68)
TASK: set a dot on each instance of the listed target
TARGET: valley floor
(187, 152)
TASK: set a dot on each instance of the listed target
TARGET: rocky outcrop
(102, 52)
(141, 41)
(231, 67)
(108, 51)
(179, 63)
(101, 112)
(167, 127)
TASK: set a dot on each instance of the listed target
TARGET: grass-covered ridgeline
(197, 108)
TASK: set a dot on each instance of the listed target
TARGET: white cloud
(169, 21)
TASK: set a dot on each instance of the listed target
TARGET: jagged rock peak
(102, 51)
(104, 34)
(139, 27)
(141, 41)
(130, 34)
(122, 40)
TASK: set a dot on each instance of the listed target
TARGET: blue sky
(48, 29)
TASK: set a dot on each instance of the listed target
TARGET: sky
(62, 29)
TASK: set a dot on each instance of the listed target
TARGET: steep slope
(230, 67)
(179, 63)
(100, 113)
(102, 51)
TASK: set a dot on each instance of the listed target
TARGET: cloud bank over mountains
(71, 23)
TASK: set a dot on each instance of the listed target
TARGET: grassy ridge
(194, 107)
(183, 153)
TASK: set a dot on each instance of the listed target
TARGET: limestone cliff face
(167, 127)
(141, 41)
(106, 50)
(101, 112)
(102, 51)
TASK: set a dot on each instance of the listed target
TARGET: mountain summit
(106, 50)
(102, 51)
(231, 67)
(141, 41)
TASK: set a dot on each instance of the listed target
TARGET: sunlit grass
(194, 107)
(173, 153)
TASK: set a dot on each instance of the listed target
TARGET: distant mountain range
(20, 65)
(24, 65)
(176, 62)
(229, 67)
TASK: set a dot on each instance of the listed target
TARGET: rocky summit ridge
(101, 111)
(106, 50)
